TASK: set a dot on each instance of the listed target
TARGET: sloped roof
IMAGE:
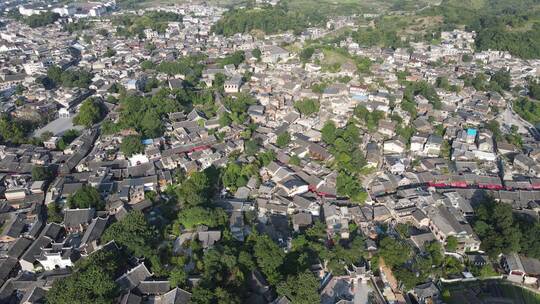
(133, 277)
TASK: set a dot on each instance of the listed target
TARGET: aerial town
(157, 154)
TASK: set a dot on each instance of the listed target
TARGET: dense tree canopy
(54, 213)
(349, 186)
(238, 106)
(377, 36)
(528, 109)
(67, 78)
(501, 80)
(496, 228)
(42, 19)
(131, 144)
(91, 112)
(307, 106)
(270, 19)
(269, 258)
(68, 137)
(237, 175)
(134, 233)
(283, 139)
(394, 252)
(86, 197)
(91, 283)
(14, 130)
(235, 58)
(301, 289)
(78, 26)
(146, 114)
(42, 173)
(196, 190)
(370, 119)
(130, 25)
(423, 88)
(192, 217)
(534, 89)
(499, 25)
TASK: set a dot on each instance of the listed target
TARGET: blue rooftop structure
(360, 97)
(147, 141)
(471, 132)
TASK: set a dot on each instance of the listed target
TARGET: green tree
(68, 137)
(370, 119)
(394, 252)
(452, 266)
(86, 197)
(19, 89)
(302, 288)
(251, 147)
(195, 191)
(134, 233)
(13, 130)
(530, 245)
(406, 277)
(349, 185)
(534, 89)
(91, 112)
(269, 258)
(224, 120)
(495, 128)
(151, 124)
(196, 216)
(496, 228)
(306, 53)
(68, 78)
(451, 243)
(502, 79)
(328, 132)
(131, 144)
(295, 160)
(257, 54)
(307, 106)
(527, 109)
(91, 282)
(434, 249)
(219, 80)
(178, 277)
(41, 19)
(110, 52)
(201, 295)
(54, 213)
(236, 58)
(442, 82)
(42, 173)
(266, 157)
(283, 140)
(487, 271)
(148, 65)
(234, 176)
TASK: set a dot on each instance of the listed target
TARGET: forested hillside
(512, 26)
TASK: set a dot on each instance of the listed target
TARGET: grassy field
(492, 291)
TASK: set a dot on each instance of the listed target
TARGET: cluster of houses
(427, 181)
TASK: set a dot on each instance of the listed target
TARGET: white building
(56, 257)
